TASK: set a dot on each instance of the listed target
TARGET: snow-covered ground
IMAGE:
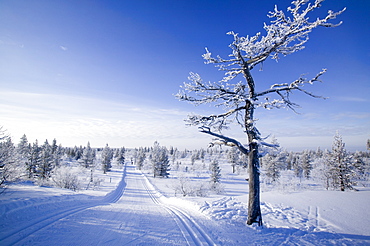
(141, 210)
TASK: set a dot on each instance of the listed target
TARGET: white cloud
(352, 99)
(351, 115)
(63, 48)
(76, 120)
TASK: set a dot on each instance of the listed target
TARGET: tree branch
(226, 140)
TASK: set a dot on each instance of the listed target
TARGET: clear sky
(106, 71)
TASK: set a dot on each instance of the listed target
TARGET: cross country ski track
(131, 214)
(190, 229)
(17, 235)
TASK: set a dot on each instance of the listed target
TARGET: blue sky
(106, 71)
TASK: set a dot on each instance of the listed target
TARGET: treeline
(50, 163)
(336, 168)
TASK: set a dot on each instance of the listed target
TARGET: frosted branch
(225, 140)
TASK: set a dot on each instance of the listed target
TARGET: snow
(141, 210)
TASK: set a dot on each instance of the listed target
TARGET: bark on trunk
(254, 209)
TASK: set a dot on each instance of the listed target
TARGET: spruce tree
(107, 156)
(23, 147)
(341, 166)
(121, 155)
(215, 174)
(88, 157)
(33, 160)
(306, 164)
(160, 161)
(46, 162)
(7, 159)
(139, 157)
(233, 157)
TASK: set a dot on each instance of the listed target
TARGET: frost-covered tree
(215, 178)
(121, 155)
(7, 158)
(88, 157)
(45, 166)
(106, 159)
(341, 165)
(23, 147)
(160, 161)
(271, 165)
(58, 155)
(233, 157)
(139, 157)
(273, 161)
(306, 165)
(286, 34)
(33, 160)
(76, 152)
(297, 167)
(57, 152)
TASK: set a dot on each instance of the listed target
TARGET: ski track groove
(192, 232)
(25, 231)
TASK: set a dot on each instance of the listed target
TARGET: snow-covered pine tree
(341, 166)
(233, 157)
(77, 152)
(7, 158)
(271, 165)
(33, 160)
(23, 147)
(286, 34)
(274, 161)
(106, 156)
(139, 157)
(215, 175)
(296, 165)
(88, 157)
(45, 166)
(289, 160)
(58, 155)
(121, 155)
(160, 161)
(54, 146)
(360, 165)
(305, 163)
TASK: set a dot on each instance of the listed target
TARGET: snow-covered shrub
(186, 187)
(65, 177)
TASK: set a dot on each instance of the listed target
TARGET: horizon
(107, 72)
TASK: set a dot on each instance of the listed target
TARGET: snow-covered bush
(186, 187)
(67, 178)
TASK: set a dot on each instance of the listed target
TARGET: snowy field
(130, 207)
(294, 213)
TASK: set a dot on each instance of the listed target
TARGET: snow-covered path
(135, 213)
(132, 214)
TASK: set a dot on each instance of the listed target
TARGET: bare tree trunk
(254, 209)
